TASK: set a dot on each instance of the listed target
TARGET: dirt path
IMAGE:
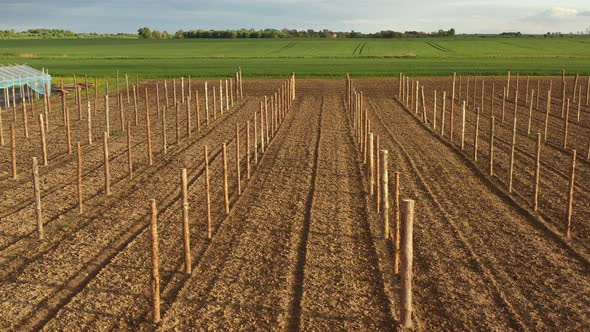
(294, 257)
(342, 287)
(512, 275)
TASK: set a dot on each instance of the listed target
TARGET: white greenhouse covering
(25, 76)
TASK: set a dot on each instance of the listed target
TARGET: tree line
(58, 34)
(147, 33)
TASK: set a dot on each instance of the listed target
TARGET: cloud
(558, 14)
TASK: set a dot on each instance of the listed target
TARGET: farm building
(18, 81)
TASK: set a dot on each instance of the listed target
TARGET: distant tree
(144, 33)
(179, 34)
(156, 34)
(452, 32)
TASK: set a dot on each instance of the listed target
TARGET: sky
(111, 16)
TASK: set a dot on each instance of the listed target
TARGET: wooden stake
(570, 199)
(513, 146)
(135, 110)
(248, 150)
(148, 127)
(463, 127)
(476, 139)
(106, 115)
(177, 118)
(166, 93)
(155, 263)
(396, 240)
(434, 112)
(255, 139)
(377, 174)
(452, 96)
(530, 112)
(406, 264)
(537, 173)
(566, 124)
(182, 89)
(127, 87)
(238, 175)
(68, 131)
(158, 100)
(371, 165)
(37, 190)
(43, 139)
(442, 116)
(579, 103)
(548, 109)
(198, 110)
(121, 115)
(174, 98)
(208, 188)
(13, 149)
(492, 130)
(214, 104)
(79, 173)
(129, 155)
(25, 118)
(188, 117)
(221, 96)
(588, 92)
(385, 193)
(164, 139)
(225, 184)
(107, 172)
(185, 224)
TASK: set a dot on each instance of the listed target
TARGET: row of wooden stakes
(270, 122)
(376, 164)
(410, 100)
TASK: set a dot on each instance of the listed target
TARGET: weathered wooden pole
(453, 95)
(570, 198)
(255, 139)
(397, 234)
(463, 127)
(127, 87)
(38, 208)
(467, 92)
(135, 110)
(512, 148)
(79, 176)
(89, 124)
(566, 124)
(208, 188)
(25, 118)
(248, 163)
(530, 113)
(166, 93)
(174, 98)
(434, 112)
(492, 131)
(121, 114)
(13, 149)
(186, 238)
(148, 129)
(129, 155)
(537, 173)
(214, 104)
(106, 115)
(588, 92)
(407, 262)
(548, 110)
(221, 96)
(238, 173)
(107, 171)
(155, 263)
(164, 138)
(226, 95)
(377, 174)
(579, 103)
(188, 117)
(492, 96)
(225, 181)
(68, 131)
(476, 138)
(385, 192)
(371, 165)
(442, 113)
(43, 139)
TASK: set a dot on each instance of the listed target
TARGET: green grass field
(306, 57)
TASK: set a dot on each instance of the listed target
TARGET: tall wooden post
(185, 223)
(537, 173)
(225, 184)
(79, 176)
(530, 113)
(43, 139)
(385, 192)
(570, 199)
(37, 190)
(463, 127)
(248, 163)
(371, 166)
(13, 149)
(107, 171)
(548, 110)
(89, 124)
(476, 138)
(68, 131)
(397, 234)
(155, 263)
(407, 262)
(129, 155)
(208, 189)
(148, 129)
(442, 116)
(434, 112)
(492, 132)
(238, 175)
(255, 139)
(566, 124)
(512, 148)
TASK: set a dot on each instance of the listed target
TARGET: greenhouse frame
(17, 81)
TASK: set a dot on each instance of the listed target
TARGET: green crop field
(306, 57)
